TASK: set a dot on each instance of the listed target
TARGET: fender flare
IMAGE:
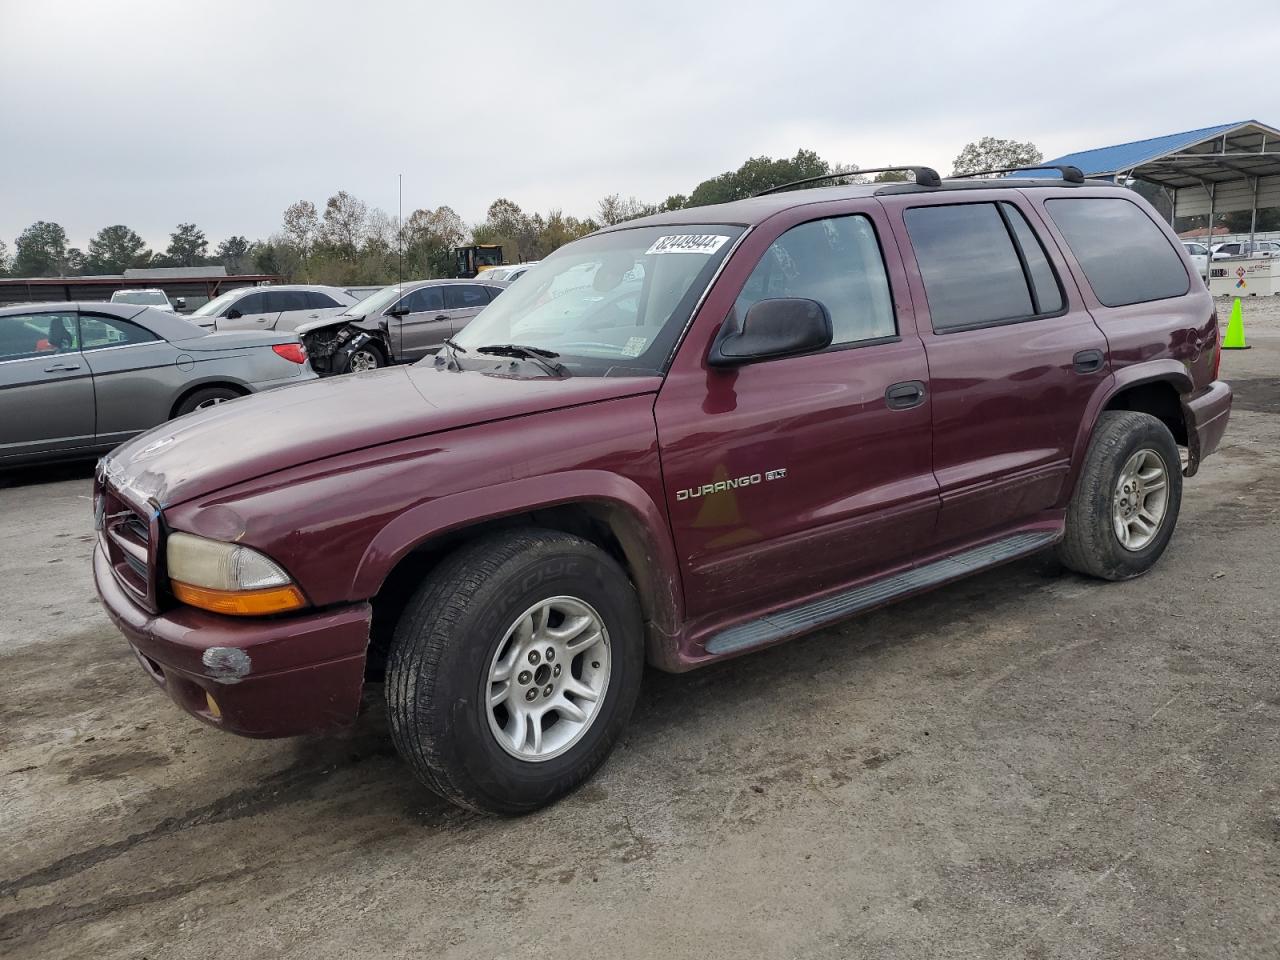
(1165, 370)
(639, 524)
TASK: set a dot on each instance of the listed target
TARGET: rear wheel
(1126, 502)
(205, 398)
(514, 668)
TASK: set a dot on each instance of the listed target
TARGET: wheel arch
(1159, 387)
(188, 389)
(611, 511)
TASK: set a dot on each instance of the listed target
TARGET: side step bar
(817, 613)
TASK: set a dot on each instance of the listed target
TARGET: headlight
(228, 578)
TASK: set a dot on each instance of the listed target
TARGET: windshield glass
(215, 305)
(610, 302)
(1195, 249)
(144, 298)
(377, 301)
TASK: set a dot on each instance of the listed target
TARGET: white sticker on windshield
(635, 346)
(704, 243)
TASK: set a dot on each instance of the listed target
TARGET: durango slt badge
(692, 493)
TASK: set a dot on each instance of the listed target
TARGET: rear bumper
(268, 677)
(1206, 413)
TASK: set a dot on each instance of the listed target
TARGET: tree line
(346, 242)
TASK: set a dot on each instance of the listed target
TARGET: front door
(790, 477)
(253, 311)
(423, 329)
(1014, 358)
(46, 390)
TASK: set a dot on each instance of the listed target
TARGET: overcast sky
(222, 113)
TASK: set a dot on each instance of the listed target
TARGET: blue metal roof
(1125, 156)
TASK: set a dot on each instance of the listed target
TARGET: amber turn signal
(240, 603)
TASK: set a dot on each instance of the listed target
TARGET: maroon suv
(677, 440)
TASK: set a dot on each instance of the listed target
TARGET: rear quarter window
(1125, 257)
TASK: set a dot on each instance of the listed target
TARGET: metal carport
(1229, 168)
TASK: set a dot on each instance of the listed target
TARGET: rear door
(1014, 357)
(462, 301)
(46, 391)
(136, 375)
(423, 329)
(789, 477)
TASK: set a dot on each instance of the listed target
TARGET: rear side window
(1045, 289)
(285, 300)
(835, 261)
(970, 266)
(1124, 255)
(320, 301)
(464, 296)
(97, 332)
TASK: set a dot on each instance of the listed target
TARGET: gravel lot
(1026, 764)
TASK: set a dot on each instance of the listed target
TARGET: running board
(817, 613)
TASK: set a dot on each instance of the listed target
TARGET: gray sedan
(77, 379)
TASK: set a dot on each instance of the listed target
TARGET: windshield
(215, 305)
(1195, 249)
(146, 298)
(612, 301)
(377, 301)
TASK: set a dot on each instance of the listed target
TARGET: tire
(364, 358)
(445, 650)
(1093, 543)
(204, 398)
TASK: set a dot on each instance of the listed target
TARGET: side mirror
(772, 329)
(233, 314)
(397, 311)
(180, 303)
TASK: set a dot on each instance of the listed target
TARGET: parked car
(735, 424)
(1258, 249)
(277, 307)
(506, 273)
(77, 379)
(151, 297)
(398, 324)
(1198, 254)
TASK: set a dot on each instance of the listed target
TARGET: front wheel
(514, 668)
(365, 358)
(1127, 498)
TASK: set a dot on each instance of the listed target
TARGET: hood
(263, 433)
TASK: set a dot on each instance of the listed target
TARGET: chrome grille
(128, 535)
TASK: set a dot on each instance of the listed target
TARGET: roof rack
(1069, 173)
(925, 177)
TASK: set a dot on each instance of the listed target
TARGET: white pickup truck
(150, 297)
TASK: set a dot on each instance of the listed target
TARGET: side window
(835, 261)
(1124, 255)
(320, 301)
(253, 303)
(277, 301)
(37, 334)
(423, 300)
(1046, 291)
(463, 296)
(97, 331)
(493, 292)
(970, 267)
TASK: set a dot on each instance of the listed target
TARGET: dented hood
(258, 435)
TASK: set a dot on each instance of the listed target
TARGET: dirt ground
(1026, 764)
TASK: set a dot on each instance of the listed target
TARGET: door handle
(442, 316)
(905, 395)
(1088, 361)
(62, 366)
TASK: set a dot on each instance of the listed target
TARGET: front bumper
(1206, 414)
(269, 677)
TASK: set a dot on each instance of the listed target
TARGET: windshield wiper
(454, 349)
(543, 358)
